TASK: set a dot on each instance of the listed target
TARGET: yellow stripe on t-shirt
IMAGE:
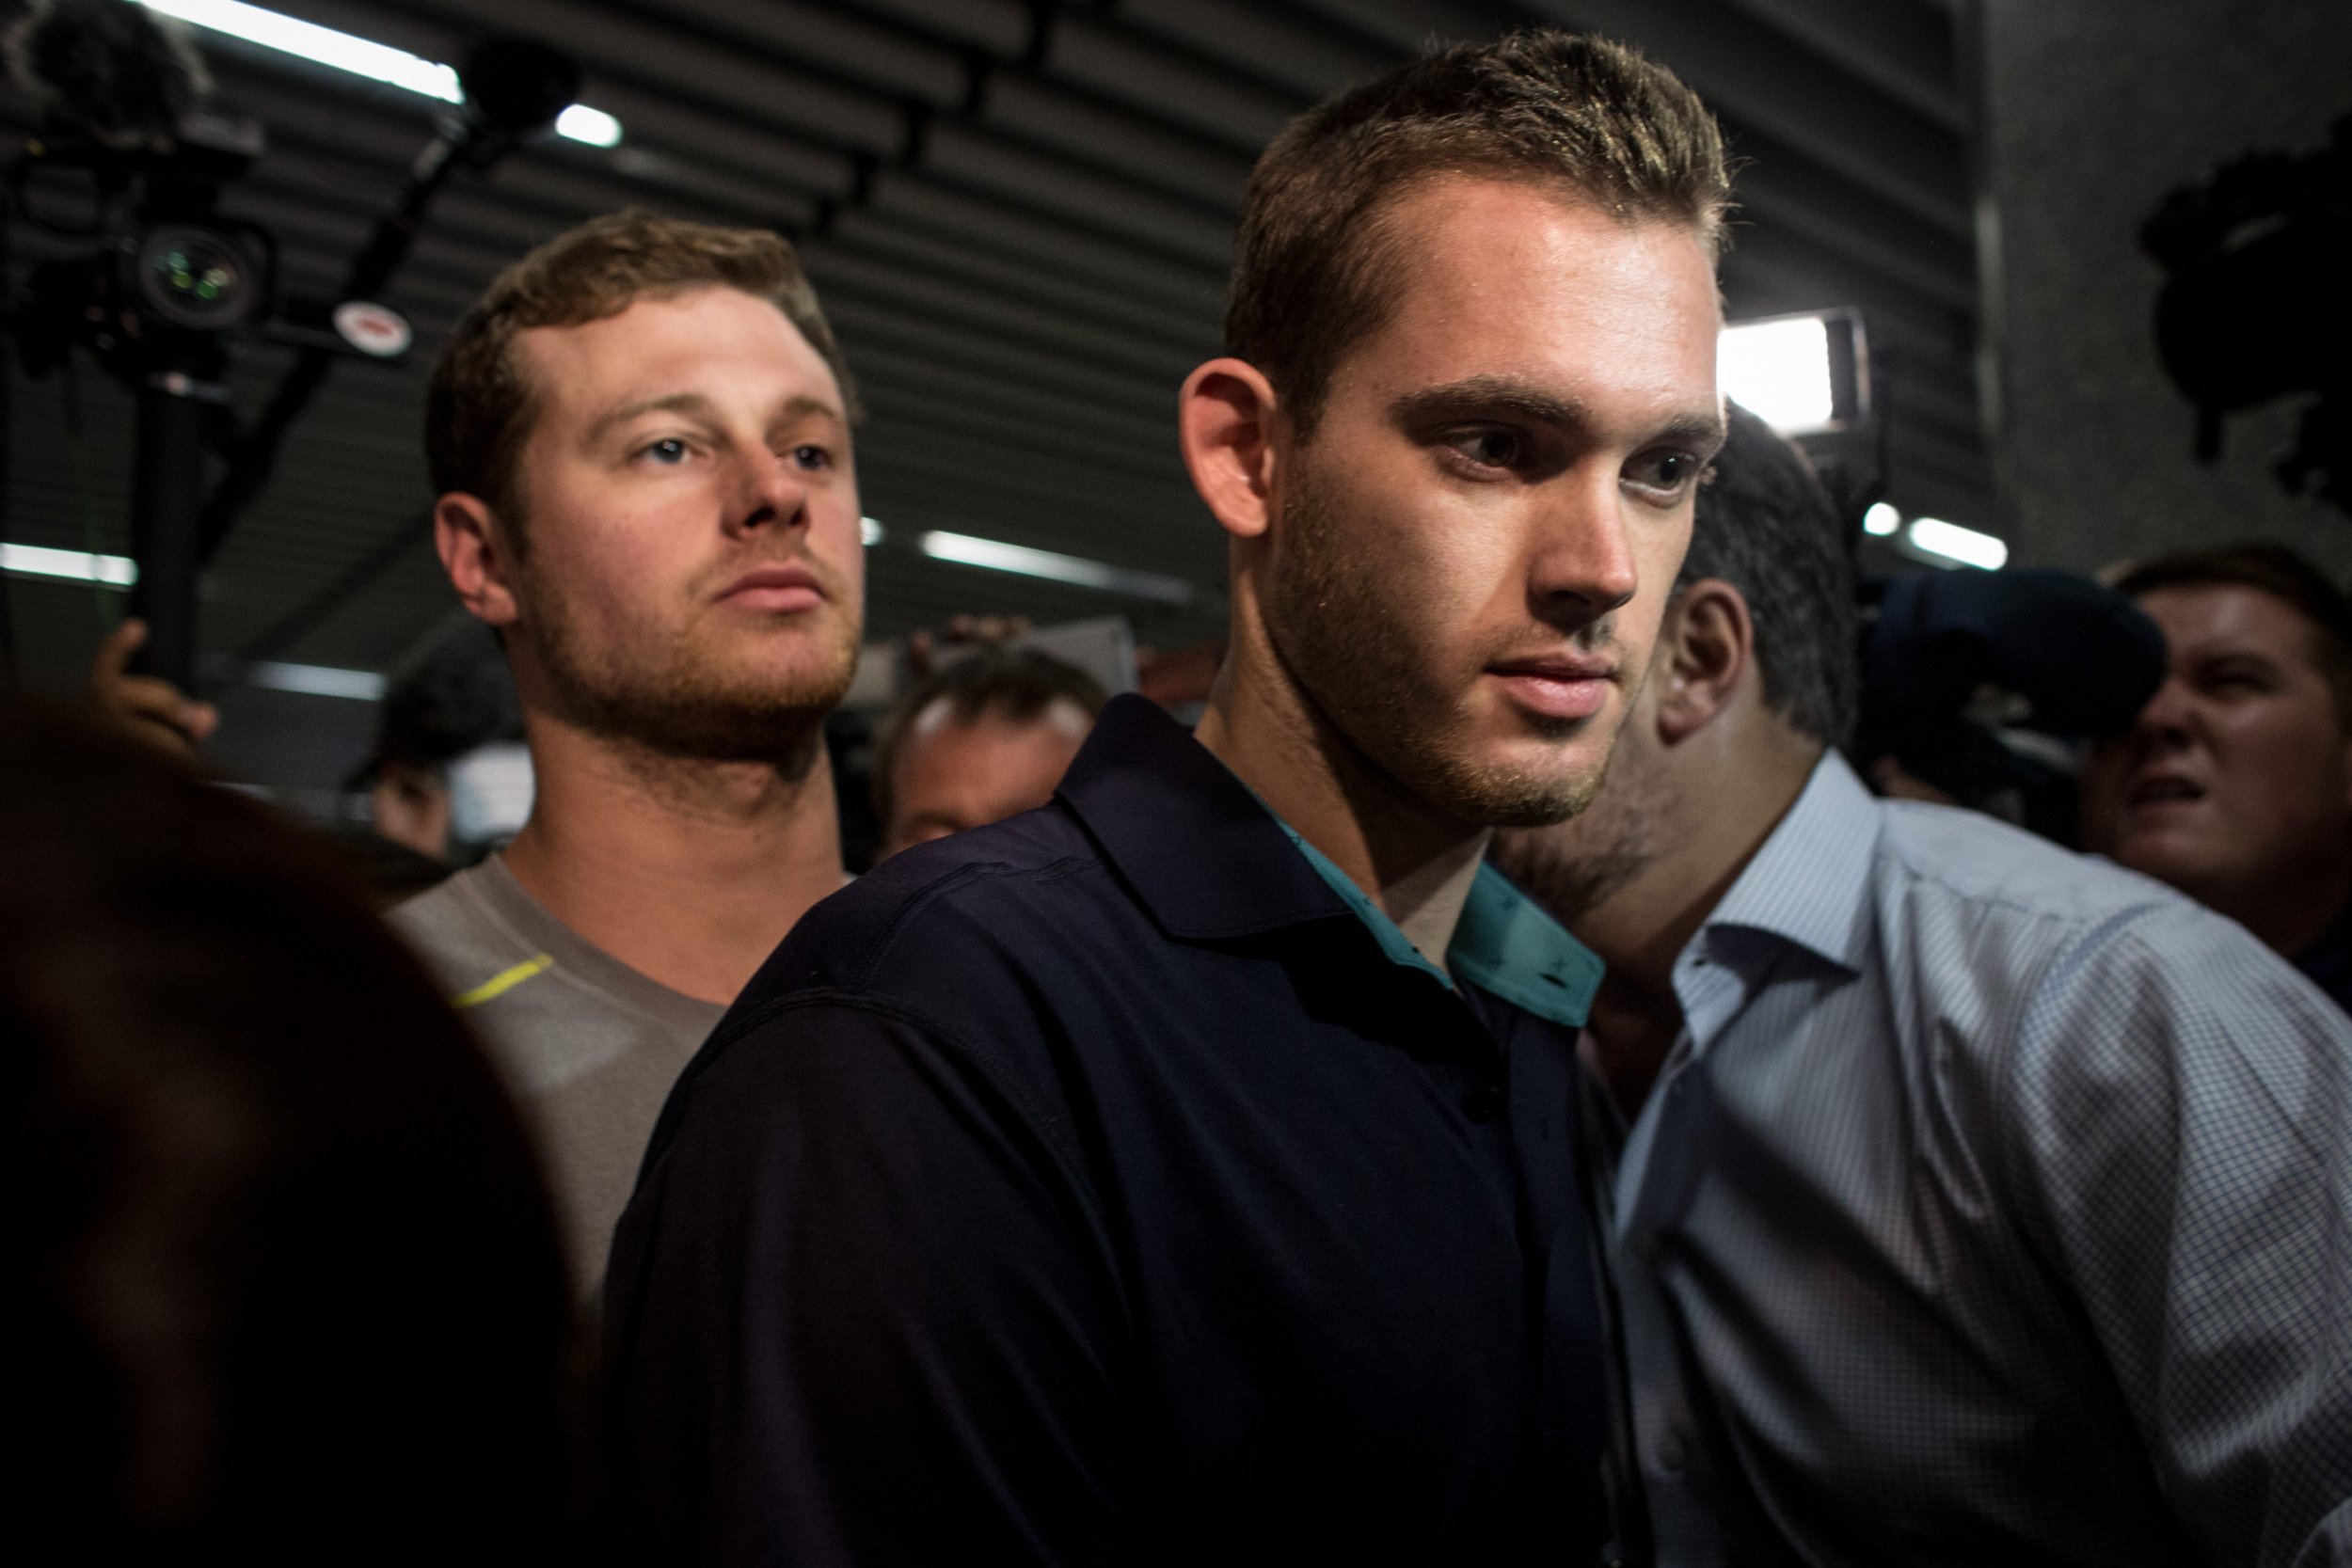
(504, 981)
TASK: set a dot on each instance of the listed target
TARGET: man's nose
(770, 492)
(1583, 564)
(2170, 715)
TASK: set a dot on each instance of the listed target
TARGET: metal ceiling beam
(1764, 77)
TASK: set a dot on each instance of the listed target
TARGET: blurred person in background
(452, 710)
(640, 437)
(1182, 1173)
(1972, 1200)
(447, 778)
(2236, 783)
(986, 738)
(158, 713)
(281, 1283)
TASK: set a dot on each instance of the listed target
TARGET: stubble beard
(680, 699)
(1572, 868)
(1334, 629)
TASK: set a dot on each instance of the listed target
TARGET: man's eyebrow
(803, 406)
(1707, 432)
(675, 403)
(1490, 394)
(694, 404)
(1500, 394)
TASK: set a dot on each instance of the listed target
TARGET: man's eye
(1664, 471)
(812, 456)
(669, 451)
(1492, 448)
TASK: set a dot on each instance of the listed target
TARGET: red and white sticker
(371, 328)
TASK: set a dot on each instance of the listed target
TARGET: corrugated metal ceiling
(1018, 216)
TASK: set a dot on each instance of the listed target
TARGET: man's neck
(687, 871)
(1642, 926)
(1414, 863)
(2289, 914)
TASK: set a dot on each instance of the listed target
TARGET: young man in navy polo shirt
(1187, 1171)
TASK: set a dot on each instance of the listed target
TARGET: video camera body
(1980, 684)
(169, 283)
(2255, 307)
(166, 282)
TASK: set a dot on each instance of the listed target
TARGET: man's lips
(1557, 688)
(2160, 790)
(774, 589)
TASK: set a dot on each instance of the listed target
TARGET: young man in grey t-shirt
(641, 439)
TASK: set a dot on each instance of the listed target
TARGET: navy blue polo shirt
(1107, 1186)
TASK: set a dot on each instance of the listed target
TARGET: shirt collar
(1809, 883)
(1210, 860)
(1206, 858)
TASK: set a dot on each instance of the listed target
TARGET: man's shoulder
(1993, 910)
(1979, 860)
(933, 923)
(452, 927)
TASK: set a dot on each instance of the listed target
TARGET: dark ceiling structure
(1018, 214)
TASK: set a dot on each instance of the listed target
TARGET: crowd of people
(1497, 1083)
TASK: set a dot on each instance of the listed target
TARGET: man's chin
(762, 714)
(1502, 795)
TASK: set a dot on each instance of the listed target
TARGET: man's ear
(1704, 648)
(474, 553)
(1225, 417)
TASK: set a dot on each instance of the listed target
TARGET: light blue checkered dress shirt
(1995, 1207)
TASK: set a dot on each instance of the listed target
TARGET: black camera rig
(161, 286)
(2254, 308)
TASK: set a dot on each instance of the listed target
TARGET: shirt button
(1670, 1455)
(1483, 1103)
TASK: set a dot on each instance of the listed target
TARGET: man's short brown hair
(2280, 572)
(479, 407)
(1313, 274)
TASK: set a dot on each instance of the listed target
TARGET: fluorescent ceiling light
(1882, 520)
(593, 126)
(997, 556)
(1951, 541)
(316, 680)
(37, 560)
(377, 62)
(1779, 372)
(869, 531)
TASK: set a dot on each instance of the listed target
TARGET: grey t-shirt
(589, 1045)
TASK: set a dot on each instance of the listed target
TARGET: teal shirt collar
(1503, 944)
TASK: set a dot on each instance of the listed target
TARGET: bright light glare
(377, 62)
(869, 531)
(1779, 372)
(593, 126)
(1881, 519)
(1954, 542)
(317, 680)
(998, 556)
(38, 561)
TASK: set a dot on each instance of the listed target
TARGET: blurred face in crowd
(2237, 776)
(1472, 547)
(687, 573)
(955, 773)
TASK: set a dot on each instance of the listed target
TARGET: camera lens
(196, 278)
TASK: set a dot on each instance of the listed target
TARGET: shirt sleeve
(859, 1312)
(2183, 1124)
